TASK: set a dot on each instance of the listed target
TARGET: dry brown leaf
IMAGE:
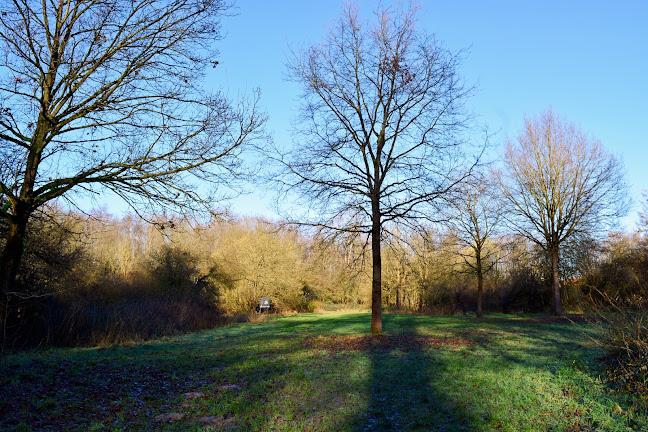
(193, 395)
(168, 417)
(215, 421)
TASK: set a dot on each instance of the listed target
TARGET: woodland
(96, 279)
(392, 200)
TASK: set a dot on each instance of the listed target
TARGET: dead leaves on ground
(404, 342)
(193, 395)
(217, 421)
(168, 417)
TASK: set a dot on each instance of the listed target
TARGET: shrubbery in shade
(625, 349)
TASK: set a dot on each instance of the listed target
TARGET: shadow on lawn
(398, 390)
(292, 374)
(401, 387)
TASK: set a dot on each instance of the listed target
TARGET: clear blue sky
(588, 59)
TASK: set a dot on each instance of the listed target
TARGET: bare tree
(473, 216)
(381, 131)
(560, 183)
(100, 95)
(643, 213)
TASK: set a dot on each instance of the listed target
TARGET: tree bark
(12, 253)
(399, 299)
(555, 283)
(376, 293)
(480, 287)
(9, 263)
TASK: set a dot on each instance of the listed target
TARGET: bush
(315, 306)
(81, 322)
(625, 350)
(523, 291)
(174, 272)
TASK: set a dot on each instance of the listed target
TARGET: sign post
(264, 304)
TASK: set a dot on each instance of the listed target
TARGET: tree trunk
(9, 263)
(480, 280)
(12, 253)
(480, 290)
(399, 299)
(555, 282)
(376, 293)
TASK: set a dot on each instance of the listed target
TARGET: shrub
(315, 306)
(524, 291)
(625, 349)
(174, 272)
(80, 322)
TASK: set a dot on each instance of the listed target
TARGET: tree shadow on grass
(304, 373)
(402, 392)
(354, 382)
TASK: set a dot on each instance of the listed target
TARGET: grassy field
(322, 372)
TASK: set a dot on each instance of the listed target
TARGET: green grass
(322, 372)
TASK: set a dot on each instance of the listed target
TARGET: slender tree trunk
(9, 263)
(399, 291)
(399, 299)
(376, 283)
(555, 283)
(480, 287)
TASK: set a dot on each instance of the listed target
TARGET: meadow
(324, 372)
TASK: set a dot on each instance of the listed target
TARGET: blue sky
(587, 59)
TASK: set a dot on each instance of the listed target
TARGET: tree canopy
(100, 95)
(559, 183)
(381, 134)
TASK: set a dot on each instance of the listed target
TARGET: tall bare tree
(560, 183)
(100, 95)
(381, 131)
(473, 216)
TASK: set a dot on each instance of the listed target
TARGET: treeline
(101, 279)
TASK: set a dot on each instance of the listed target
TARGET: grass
(322, 372)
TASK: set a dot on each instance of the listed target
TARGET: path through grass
(322, 372)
